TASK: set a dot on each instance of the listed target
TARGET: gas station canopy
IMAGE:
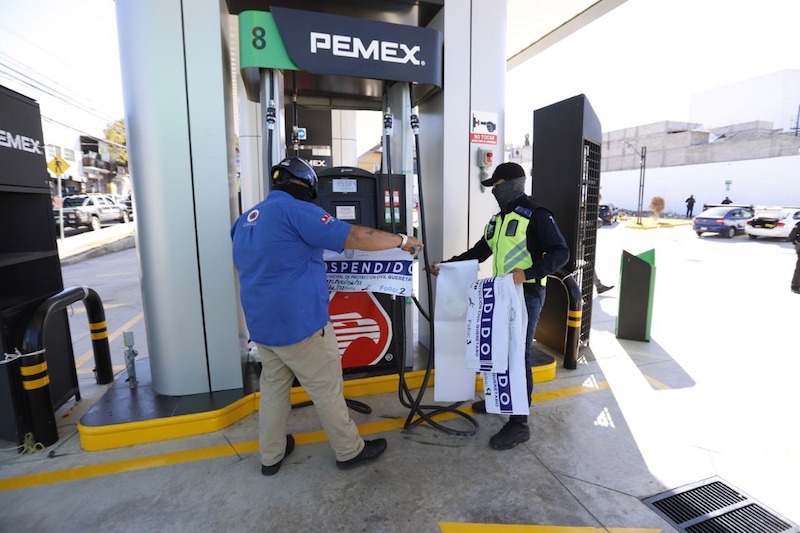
(532, 26)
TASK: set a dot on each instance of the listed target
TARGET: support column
(173, 72)
(456, 208)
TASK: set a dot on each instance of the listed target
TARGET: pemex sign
(363, 329)
(321, 43)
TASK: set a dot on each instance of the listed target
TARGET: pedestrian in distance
(726, 201)
(526, 242)
(690, 206)
(277, 251)
(794, 236)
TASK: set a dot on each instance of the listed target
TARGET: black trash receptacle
(637, 283)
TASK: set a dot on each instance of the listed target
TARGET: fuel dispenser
(368, 326)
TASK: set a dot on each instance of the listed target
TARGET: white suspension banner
(506, 391)
(385, 271)
(480, 323)
(453, 381)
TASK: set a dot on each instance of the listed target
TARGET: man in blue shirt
(277, 250)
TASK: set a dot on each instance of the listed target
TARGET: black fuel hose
(424, 413)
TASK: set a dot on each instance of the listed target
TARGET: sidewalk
(80, 246)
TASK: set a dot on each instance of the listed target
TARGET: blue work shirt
(277, 249)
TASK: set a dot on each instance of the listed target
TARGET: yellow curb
(97, 438)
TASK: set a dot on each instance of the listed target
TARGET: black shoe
(796, 291)
(513, 433)
(603, 288)
(479, 407)
(271, 470)
(372, 450)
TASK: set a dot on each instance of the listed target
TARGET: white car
(777, 223)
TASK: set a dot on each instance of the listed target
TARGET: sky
(65, 55)
(641, 62)
(638, 64)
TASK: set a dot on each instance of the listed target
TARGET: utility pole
(642, 163)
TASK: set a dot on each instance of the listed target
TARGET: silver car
(90, 210)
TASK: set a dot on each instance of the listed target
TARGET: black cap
(508, 171)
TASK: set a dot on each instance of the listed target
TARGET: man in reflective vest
(523, 240)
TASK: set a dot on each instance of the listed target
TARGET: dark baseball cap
(507, 171)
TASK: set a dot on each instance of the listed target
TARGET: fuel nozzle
(387, 121)
(271, 115)
(415, 121)
(295, 140)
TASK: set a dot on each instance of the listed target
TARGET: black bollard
(33, 366)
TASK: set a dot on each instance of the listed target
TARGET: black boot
(603, 288)
(516, 431)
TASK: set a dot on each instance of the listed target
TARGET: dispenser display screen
(345, 186)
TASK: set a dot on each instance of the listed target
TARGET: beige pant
(317, 364)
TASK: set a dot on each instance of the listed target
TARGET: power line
(73, 128)
(51, 91)
(38, 76)
(48, 52)
(110, 124)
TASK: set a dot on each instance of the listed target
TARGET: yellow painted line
(96, 326)
(82, 309)
(116, 467)
(557, 394)
(655, 383)
(574, 314)
(453, 527)
(214, 452)
(574, 323)
(88, 355)
(188, 456)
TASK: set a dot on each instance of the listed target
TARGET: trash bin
(637, 282)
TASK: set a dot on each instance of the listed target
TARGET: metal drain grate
(713, 506)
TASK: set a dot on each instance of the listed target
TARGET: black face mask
(508, 191)
(298, 191)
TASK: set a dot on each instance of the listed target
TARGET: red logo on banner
(362, 327)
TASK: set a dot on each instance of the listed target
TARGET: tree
(115, 135)
(657, 206)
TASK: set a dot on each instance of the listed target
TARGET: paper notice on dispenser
(453, 381)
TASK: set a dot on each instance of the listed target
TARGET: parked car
(727, 221)
(116, 198)
(90, 210)
(129, 205)
(608, 213)
(776, 223)
(119, 200)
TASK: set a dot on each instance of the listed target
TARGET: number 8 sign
(260, 43)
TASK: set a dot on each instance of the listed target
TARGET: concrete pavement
(709, 396)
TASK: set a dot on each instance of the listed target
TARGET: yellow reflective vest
(507, 236)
